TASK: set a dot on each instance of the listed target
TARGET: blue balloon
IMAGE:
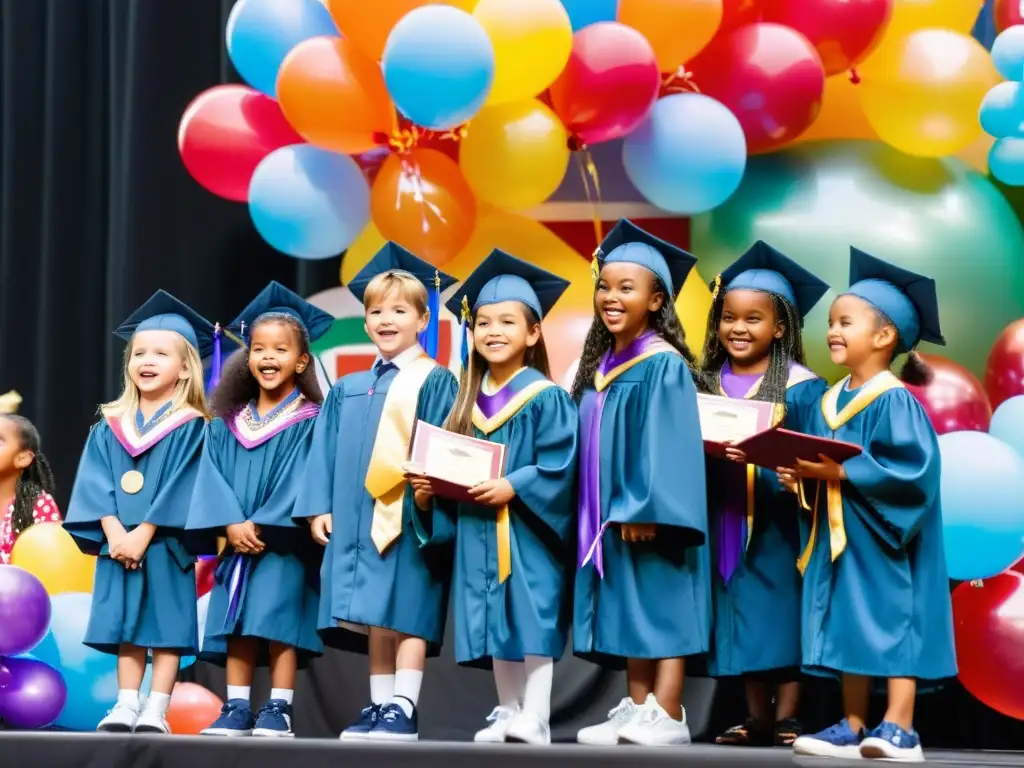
(308, 202)
(1008, 53)
(1002, 111)
(583, 13)
(982, 489)
(1006, 161)
(438, 66)
(260, 33)
(1008, 423)
(688, 156)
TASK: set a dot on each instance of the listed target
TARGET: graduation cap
(908, 299)
(163, 312)
(276, 299)
(762, 268)
(628, 243)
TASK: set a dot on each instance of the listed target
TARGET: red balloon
(224, 134)
(954, 399)
(206, 571)
(609, 85)
(844, 32)
(1004, 373)
(737, 13)
(1008, 13)
(988, 625)
(769, 76)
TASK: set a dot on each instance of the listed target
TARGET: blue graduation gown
(154, 606)
(528, 613)
(880, 607)
(654, 601)
(256, 476)
(406, 587)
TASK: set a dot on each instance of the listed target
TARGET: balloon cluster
(1002, 111)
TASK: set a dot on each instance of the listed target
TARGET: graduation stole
(385, 476)
(871, 391)
(251, 432)
(490, 412)
(136, 444)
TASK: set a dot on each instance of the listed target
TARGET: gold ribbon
(751, 488)
(836, 528)
(504, 545)
(592, 188)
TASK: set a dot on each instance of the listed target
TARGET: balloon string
(404, 140)
(592, 188)
(680, 81)
(854, 77)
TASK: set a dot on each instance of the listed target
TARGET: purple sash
(239, 568)
(490, 405)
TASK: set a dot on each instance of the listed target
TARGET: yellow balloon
(532, 41)
(49, 553)
(911, 15)
(693, 306)
(921, 93)
(363, 249)
(515, 155)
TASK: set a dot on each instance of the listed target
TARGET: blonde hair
(188, 392)
(408, 287)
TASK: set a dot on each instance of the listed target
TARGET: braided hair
(35, 479)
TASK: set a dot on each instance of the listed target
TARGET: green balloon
(934, 217)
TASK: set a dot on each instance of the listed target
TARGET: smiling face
(276, 354)
(626, 295)
(393, 323)
(502, 333)
(157, 363)
(748, 326)
(857, 332)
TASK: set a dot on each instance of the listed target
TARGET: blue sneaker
(358, 730)
(837, 740)
(394, 725)
(235, 720)
(274, 720)
(890, 742)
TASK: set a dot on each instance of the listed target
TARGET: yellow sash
(385, 477)
(870, 392)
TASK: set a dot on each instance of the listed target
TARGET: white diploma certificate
(728, 420)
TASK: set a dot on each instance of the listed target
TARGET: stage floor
(55, 750)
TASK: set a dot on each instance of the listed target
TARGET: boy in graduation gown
(876, 600)
(130, 503)
(263, 606)
(384, 583)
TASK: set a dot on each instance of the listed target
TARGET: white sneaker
(121, 719)
(606, 734)
(499, 719)
(527, 728)
(655, 728)
(152, 721)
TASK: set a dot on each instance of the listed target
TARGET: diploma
(727, 420)
(454, 463)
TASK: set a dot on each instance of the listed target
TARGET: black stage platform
(56, 750)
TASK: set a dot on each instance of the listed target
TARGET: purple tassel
(218, 362)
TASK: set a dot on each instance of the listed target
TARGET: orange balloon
(334, 96)
(676, 29)
(421, 201)
(192, 709)
(841, 116)
(367, 23)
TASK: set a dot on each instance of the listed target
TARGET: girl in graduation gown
(26, 482)
(263, 606)
(642, 597)
(384, 582)
(130, 502)
(753, 349)
(511, 586)
(876, 601)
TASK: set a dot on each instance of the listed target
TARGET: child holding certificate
(753, 350)
(876, 597)
(384, 584)
(643, 591)
(511, 585)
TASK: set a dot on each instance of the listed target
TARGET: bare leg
(284, 663)
(640, 674)
(758, 701)
(902, 693)
(668, 686)
(165, 670)
(787, 700)
(131, 667)
(382, 651)
(241, 661)
(856, 697)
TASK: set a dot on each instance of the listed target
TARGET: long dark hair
(238, 387)
(35, 479)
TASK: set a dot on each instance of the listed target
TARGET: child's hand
(422, 491)
(826, 469)
(493, 493)
(245, 538)
(132, 548)
(638, 531)
(787, 479)
(321, 527)
(735, 454)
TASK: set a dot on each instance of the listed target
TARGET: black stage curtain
(97, 212)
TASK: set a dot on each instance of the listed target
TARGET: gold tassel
(437, 280)
(466, 314)
(595, 267)
(716, 287)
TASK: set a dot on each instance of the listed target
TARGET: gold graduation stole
(385, 476)
(657, 347)
(870, 392)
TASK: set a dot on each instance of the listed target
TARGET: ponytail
(916, 371)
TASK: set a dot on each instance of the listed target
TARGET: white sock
(158, 702)
(239, 692)
(128, 698)
(407, 689)
(284, 694)
(540, 671)
(382, 688)
(509, 679)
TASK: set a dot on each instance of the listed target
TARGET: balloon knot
(575, 145)
(404, 140)
(854, 77)
(680, 81)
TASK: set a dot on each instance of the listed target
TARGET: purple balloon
(24, 611)
(34, 694)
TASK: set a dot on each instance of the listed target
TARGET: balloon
(532, 42)
(1008, 423)
(843, 32)
(192, 708)
(260, 33)
(739, 13)
(841, 115)
(1002, 111)
(677, 29)
(988, 625)
(32, 694)
(1008, 53)
(565, 330)
(911, 15)
(49, 553)
(367, 23)
(688, 156)
(769, 76)
(421, 201)
(1004, 372)
(954, 399)
(1007, 13)
(309, 203)
(206, 570)
(609, 85)
(921, 93)
(24, 610)
(225, 133)
(334, 96)
(692, 307)
(583, 13)
(1006, 161)
(813, 201)
(515, 155)
(982, 488)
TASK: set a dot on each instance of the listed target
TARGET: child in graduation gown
(263, 606)
(26, 482)
(876, 600)
(511, 586)
(384, 583)
(130, 502)
(753, 349)
(643, 590)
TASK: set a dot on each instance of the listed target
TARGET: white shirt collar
(402, 359)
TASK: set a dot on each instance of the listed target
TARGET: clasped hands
(244, 538)
(128, 548)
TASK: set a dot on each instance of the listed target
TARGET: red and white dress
(45, 511)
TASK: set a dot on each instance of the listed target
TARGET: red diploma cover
(454, 463)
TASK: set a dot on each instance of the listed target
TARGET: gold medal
(132, 481)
